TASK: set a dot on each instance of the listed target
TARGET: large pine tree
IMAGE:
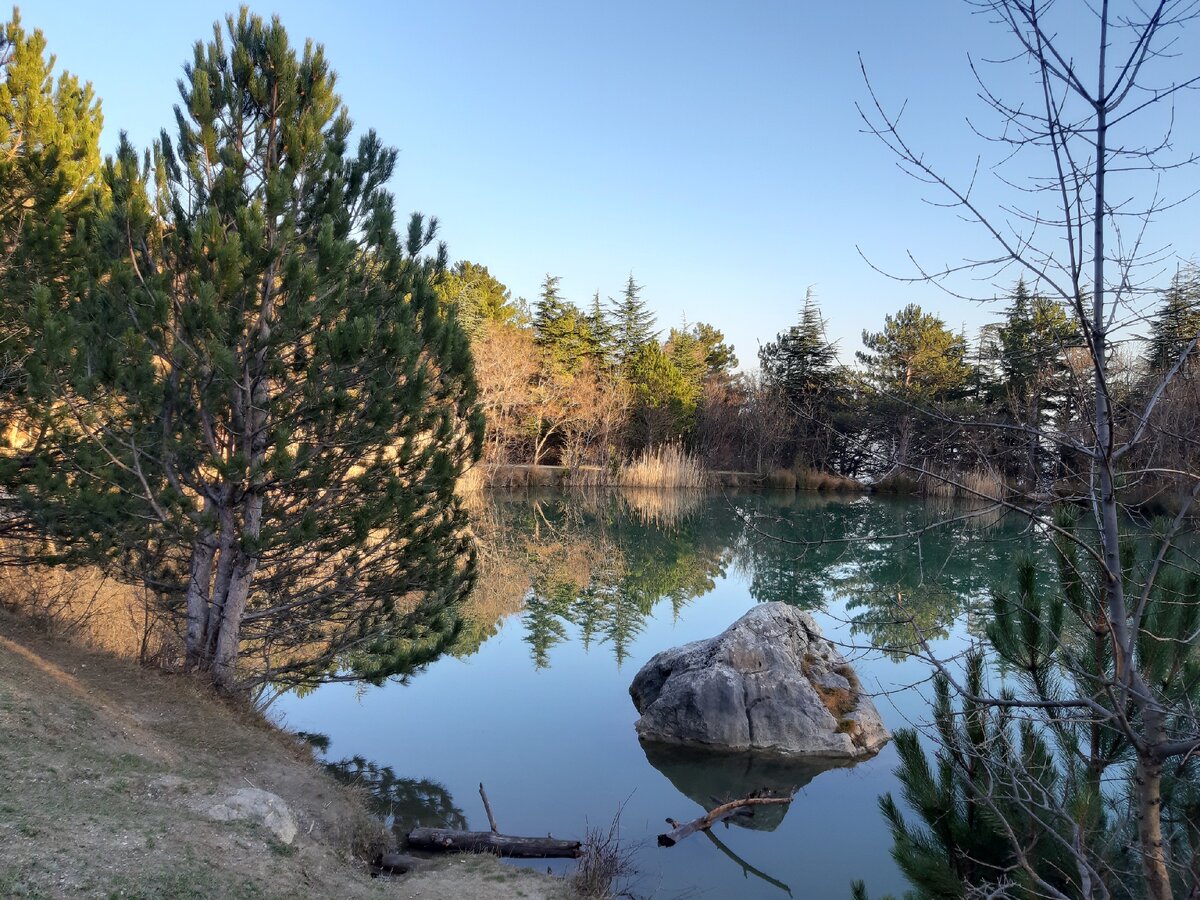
(801, 362)
(255, 375)
(634, 323)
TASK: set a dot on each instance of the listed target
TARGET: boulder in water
(769, 683)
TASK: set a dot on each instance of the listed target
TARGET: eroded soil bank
(111, 773)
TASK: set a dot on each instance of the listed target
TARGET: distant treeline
(921, 406)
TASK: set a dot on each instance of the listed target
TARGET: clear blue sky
(713, 149)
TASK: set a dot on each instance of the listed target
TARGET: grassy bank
(114, 773)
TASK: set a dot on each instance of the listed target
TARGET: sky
(713, 150)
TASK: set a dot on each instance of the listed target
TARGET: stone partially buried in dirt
(253, 805)
(768, 683)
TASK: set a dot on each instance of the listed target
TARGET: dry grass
(782, 480)
(472, 481)
(664, 466)
(89, 608)
(982, 484)
(974, 484)
(813, 480)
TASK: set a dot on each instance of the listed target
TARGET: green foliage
(801, 362)
(970, 795)
(561, 328)
(477, 297)
(256, 374)
(1059, 785)
(49, 163)
(633, 323)
(664, 396)
(719, 358)
(1177, 322)
(916, 357)
(1033, 340)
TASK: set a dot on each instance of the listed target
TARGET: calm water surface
(577, 593)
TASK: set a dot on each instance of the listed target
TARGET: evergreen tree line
(594, 385)
(584, 385)
(926, 408)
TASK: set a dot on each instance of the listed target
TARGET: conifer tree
(801, 362)
(476, 296)
(719, 357)
(602, 335)
(801, 366)
(634, 323)
(561, 328)
(916, 357)
(1177, 323)
(255, 374)
(49, 163)
(1032, 361)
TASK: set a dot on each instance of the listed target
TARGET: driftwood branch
(734, 807)
(446, 840)
(488, 808)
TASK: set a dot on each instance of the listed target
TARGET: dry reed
(664, 466)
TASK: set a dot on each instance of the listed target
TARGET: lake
(576, 593)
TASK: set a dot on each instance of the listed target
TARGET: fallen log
(446, 840)
(733, 808)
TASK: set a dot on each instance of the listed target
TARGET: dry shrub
(667, 465)
(782, 480)
(982, 484)
(86, 607)
(603, 864)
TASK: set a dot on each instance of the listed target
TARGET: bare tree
(1080, 148)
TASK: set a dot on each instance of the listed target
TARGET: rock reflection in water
(710, 779)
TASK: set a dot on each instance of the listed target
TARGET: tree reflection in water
(597, 565)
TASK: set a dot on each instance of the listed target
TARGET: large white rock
(770, 682)
(262, 807)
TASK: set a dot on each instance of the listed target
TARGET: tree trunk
(1148, 779)
(224, 664)
(226, 559)
(447, 840)
(198, 593)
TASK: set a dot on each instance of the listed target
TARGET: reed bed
(665, 466)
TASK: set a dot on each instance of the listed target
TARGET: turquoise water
(577, 593)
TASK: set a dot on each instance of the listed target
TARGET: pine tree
(633, 322)
(1177, 323)
(255, 373)
(1032, 363)
(801, 362)
(561, 328)
(916, 357)
(719, 358)
(477, 297)
(602, 334)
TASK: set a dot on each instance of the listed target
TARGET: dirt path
(109, 770)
